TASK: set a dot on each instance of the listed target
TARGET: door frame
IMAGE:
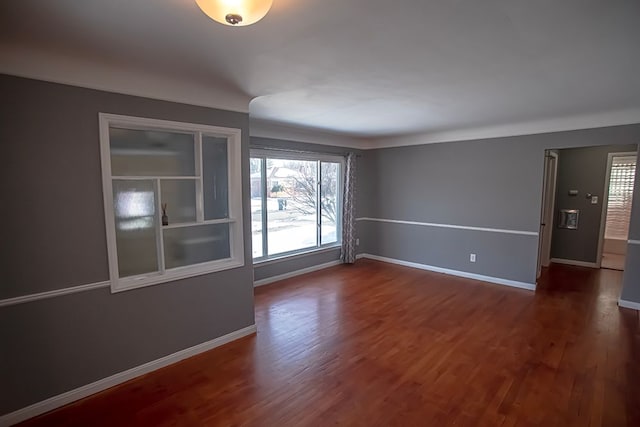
(547, 210)
(605, 199)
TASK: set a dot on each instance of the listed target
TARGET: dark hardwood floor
(384, 345)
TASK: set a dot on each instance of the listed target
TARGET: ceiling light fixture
(237, 13)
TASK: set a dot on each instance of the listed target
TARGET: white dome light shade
(237, 13)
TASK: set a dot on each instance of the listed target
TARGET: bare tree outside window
(297, 213)
(303, 190)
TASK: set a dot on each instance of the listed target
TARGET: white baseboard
(629, 304)
(497, 280)
(576, 263)
(119, 378)
(279, 277)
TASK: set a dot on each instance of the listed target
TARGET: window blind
(623, 170)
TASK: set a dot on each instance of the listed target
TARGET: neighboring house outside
(282, 180)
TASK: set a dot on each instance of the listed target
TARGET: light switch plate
(594, 200)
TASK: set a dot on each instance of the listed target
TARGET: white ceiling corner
(268, 129)
(589, 121)
(71, 70)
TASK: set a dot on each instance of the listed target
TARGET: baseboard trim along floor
(575, 263)
(119, 378)
(629, 304)
(465, 274)
(295, 273)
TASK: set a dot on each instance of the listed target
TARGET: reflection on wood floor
(377, 345)
(612, 261)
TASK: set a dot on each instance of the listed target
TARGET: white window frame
(234, 219)
(264, 153)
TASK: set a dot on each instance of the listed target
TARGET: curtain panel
(348, 254)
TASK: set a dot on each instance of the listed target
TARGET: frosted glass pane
(329, 208)
(179, 195)
(195, 244)
(215, 176)
(135, 213)
(151, 153)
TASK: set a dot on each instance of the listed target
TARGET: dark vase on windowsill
(165, 217)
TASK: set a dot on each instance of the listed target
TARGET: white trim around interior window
(274, 153)
(234, 217)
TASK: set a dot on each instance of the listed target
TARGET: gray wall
(54, 237)
(585, 170)
(273, 268)
(494, 183)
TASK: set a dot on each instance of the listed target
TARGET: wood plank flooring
(613, 261)
(382, 345)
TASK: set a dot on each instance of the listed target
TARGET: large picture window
(172, 196)
(295, 202)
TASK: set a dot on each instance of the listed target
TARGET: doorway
(579, 186)
(621, 168)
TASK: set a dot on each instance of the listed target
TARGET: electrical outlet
(357, 242)
(472, 257)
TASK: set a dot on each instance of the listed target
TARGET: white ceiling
(364, 68)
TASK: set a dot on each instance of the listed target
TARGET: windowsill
(290, 256)
(175, 274)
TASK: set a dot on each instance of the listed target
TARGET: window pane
(195, 244)
(134, 205)
(151, 153)
(329, 202)
(291, 205)
(179, 200)
(623, 171)
(256, 206)
(215, 176)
